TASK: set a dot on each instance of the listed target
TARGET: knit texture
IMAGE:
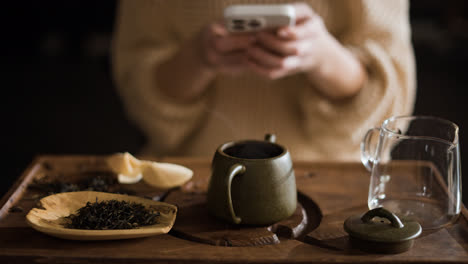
(247, 107)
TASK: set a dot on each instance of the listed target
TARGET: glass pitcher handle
(367, 148)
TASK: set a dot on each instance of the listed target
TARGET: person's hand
(212, 51)
(224, 52)
(289, 50)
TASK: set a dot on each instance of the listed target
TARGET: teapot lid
(379, 230)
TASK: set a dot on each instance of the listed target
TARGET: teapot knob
(270, 138)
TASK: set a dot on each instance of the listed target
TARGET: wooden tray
(338, 190)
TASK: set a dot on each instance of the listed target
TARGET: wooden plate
(51, 219)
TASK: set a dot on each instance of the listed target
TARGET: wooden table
(329, 192)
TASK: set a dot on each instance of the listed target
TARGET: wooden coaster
(194, 223)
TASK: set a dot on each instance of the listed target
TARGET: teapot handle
(367, 158)
(233, 171)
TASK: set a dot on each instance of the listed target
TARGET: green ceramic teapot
(252, 182)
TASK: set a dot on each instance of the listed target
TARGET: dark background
(58, 95)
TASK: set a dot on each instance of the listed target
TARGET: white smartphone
(254, 17)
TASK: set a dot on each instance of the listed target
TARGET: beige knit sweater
(246, 107)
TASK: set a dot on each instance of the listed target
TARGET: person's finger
(308, 29)
(277, 45)
(233, 42)
(303, 11)
(307, 22)
(266, 72)
(266, 58)
(218, 29)
(299, 31)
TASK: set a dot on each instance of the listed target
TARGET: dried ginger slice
(127, 167)
(165, 175)
(160, 175)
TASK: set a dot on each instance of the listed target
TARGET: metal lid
(382, 230)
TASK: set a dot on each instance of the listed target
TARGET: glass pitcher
(415, 169)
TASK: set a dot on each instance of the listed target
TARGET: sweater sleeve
(143, 40)
(378, 33)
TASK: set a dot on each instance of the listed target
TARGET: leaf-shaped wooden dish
(51, 219)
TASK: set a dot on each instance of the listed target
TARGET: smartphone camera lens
(238, 22)
(254, 23)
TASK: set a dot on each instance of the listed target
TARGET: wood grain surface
(338, 190)
(196, 224)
